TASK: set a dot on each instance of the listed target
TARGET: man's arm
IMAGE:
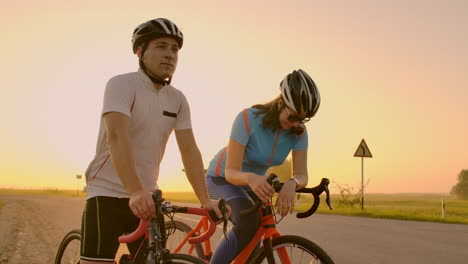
(193, 164)
(118, 140)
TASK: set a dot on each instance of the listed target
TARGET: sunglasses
(296, 118)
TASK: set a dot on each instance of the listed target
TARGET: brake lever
(222, 205)
(257, 202)
(327, 192)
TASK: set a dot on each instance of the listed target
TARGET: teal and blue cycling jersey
(264, 148)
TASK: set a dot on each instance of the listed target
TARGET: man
(140, 111)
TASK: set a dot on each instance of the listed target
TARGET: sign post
(78, 178)
(363, 152)
(443, 208)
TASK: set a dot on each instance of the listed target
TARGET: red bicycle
(276, 248)
(194, 246)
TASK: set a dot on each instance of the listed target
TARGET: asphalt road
(31, 228)
(359, 240)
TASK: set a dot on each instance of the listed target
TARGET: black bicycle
(157, 234)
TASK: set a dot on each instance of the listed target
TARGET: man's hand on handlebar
(226, 215)
(213, 205)
(142, 205)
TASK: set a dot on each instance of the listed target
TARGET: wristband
(295, 180)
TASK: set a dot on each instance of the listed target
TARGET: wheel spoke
(298, 250)
(69, 250)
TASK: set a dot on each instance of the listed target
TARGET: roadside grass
(43, 192)
(417, 207)
(185, 197)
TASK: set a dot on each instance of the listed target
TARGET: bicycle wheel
(177, 231)
(69, 249)
(297, 249)
(182, 258)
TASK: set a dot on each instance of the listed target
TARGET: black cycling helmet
(300, 93)
(156, 28)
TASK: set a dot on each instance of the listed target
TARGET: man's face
(160, 57)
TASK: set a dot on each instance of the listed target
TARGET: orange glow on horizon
(393, 76)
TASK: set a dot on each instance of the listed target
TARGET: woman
(263, 136)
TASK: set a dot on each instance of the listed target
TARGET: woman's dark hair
(271, 118)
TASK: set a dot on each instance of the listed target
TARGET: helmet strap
(163, 82)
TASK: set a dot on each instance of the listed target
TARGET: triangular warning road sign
(363, 150)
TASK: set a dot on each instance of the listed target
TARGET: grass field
(44, 192)
(419, 207)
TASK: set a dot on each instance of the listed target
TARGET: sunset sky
(392, 72)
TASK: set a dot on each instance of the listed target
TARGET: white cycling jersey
(153, 115)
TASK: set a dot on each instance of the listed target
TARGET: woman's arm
(235, 175)
(299, 168)
(287, 196)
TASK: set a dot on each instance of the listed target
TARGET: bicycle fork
(270, 232)
(268, 250)
(282, 252)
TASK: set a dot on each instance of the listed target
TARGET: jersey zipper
(273, 149)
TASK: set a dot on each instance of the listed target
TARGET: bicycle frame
(155, 232)
(266, 231)
(201, 227)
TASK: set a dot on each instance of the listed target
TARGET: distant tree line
(460, 189)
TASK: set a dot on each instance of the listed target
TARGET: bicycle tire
(300, 250)
(182, 259)
(174, 239)
(67, 252)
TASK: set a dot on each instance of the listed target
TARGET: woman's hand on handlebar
(142, 205)
(286, 198)
(261, 187)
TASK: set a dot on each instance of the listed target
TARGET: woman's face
(286, 115)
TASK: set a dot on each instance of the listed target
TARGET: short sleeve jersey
(153, 115)
(264, 148)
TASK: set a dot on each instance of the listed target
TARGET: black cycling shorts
(104, 220)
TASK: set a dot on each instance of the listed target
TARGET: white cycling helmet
(300, 93)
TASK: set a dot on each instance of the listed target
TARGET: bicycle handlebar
(212, 225)
(257, 200)
(140, 231)
(168, 208)
(315, 191)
